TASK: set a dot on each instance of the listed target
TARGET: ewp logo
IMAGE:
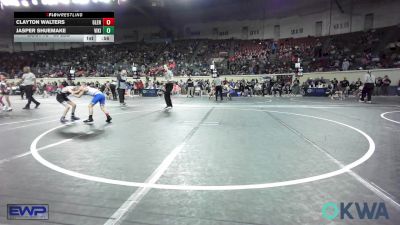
(375, 211)
(27, 212)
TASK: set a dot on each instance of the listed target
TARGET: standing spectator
(378, 86)
(113, 86)
(385, 85)
(369, 81)
(190, 87)
(296, 87)
(29, 83)
(122, 86)
(345, 65)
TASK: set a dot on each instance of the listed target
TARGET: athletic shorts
(62, 97)
(99, 98)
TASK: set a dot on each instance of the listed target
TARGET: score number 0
(108, 21)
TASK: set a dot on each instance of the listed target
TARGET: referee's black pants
(167, 94)
(367, 91)
(121, 95)
(113, 92)
(22, 91)
(29, 95)
(218, 91)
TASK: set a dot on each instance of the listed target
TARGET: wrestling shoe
(63, 120)
(74, 118)
(108, 119)
(88, 120)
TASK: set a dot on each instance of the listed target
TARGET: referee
(29, 83)
(369, 81)
(122, 86)
(218, 88)
(169, 85)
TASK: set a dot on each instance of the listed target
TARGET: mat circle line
(344, 169)
(385, 118)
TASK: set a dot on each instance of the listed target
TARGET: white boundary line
(240, 106)
(54, 144)
(345, 169)
(28, 153)
(394, 121)
(137, 196)
(376, 189)
(25, 121)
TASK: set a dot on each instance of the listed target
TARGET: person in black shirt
(264, 88)
(277, 88)
(344, 86)
(385, 85)
(335, 83)
(359, 83)
(190, 86)
(241, 87)
(249, 89)
(353, 87)
(378, 86)
(113, 90)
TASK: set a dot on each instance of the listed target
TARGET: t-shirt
(217, 81)
(168, 75)
(190, 83)
(122, 82)
(378, 82)
(386, 82)
(335, 83)
(344, 83)
(29, 79)
(369, 78)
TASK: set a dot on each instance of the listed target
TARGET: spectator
(378, 86)
(345, 65)
(190, 87)
(385, 85)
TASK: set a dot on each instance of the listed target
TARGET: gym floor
(260, 160)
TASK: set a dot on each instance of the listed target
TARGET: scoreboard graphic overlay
(64, 26)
